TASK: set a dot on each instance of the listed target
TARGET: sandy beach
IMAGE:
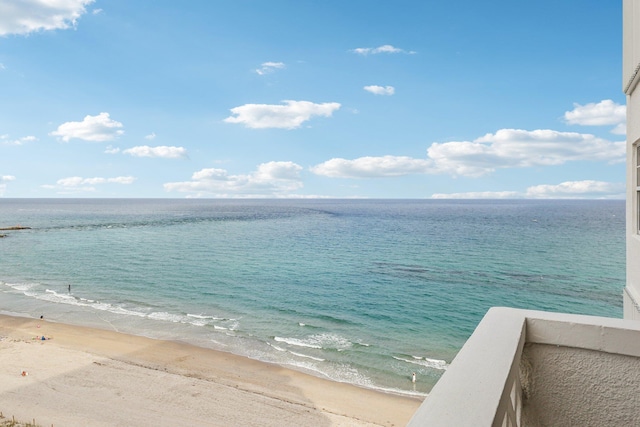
(90, 377)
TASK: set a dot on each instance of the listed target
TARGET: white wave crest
(22, 287)
(204, 317)
(325, 341)
(307, 356)
(297, 342)
(276, 347)
(425, 361)
(168, 317)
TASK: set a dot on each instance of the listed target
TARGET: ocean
(358, 291)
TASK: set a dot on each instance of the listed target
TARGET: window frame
(637, 181)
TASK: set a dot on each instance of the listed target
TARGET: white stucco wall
(564, 386)
(630, 78)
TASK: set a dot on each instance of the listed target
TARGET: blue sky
(303, 99)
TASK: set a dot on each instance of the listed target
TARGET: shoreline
(89, 376)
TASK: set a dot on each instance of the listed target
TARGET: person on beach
(413, 377)
(69, 288)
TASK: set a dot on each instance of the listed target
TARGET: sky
(414, 99)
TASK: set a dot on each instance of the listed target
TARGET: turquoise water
(359, 291)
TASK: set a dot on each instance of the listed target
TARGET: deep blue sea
(358, 291)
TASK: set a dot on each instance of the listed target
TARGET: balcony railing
(531, 368)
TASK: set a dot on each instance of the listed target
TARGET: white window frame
(637, 180)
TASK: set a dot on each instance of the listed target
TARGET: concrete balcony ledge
(533, 368)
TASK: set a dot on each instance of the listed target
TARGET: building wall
(630, 78)
(565, 386)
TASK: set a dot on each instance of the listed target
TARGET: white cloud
(2, 67)
(26, 16)
(619, 129)
(479, 195)
(288, 116)
(75, 181)
(112, 150)
(372, 167)
(272, 179)
(587, 189)
(3, 182)
(511, 148)
(151, 136)
(5, 140)
(603, 113)
(380, 90)
(269, 67)
(576, 189)
(93, 128)
(210, 174)
(125, 180)
(507, 148)
(76, 184)
(387, 48)
(160, 151)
